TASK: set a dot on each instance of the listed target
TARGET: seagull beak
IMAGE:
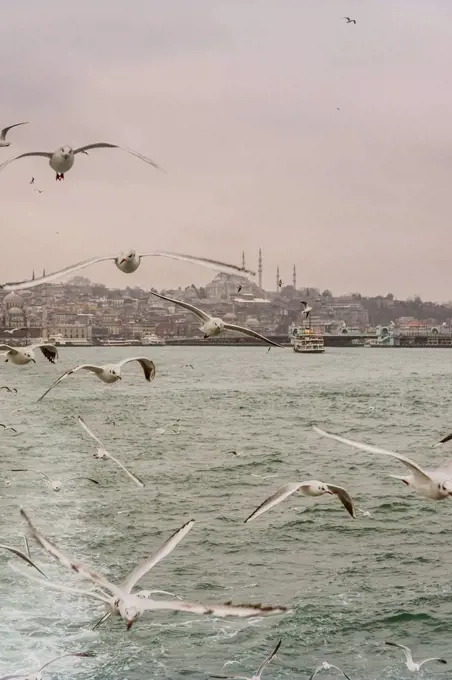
(129, 624)
(34, 361)
(123, 260)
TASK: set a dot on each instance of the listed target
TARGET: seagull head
(446, 487)
(30, 356)
(129, 614)
(56, 486)
(319, 488)
(66, 152)
(127, 257)
(115, 372)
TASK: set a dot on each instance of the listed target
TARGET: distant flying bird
(410, 664)
(280, 283)
(55, 484)
(37, 675)
(306, 308)
(109, 373)
(349, 21)
(8, 389)
(213, 325)
(258, 673)
(128, 263)
(32, 181)
(6, 427)
(40, 191)
(239, 288)
(11, 331)
(310, 488)
(5, 131)
(23, 355)
(326, 666)
(63, 158)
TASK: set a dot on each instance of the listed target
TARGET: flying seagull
(109, 373)
(55, 484)
(23, 355)
(37, 675)
(63, 158)
(8, 389)
(11, 331)
(102, 454)
(410, 664)
(434, 484)
(349, 21)
(326, 666)
(306, 308)
(5, 131)
(310, 488)
(128, 263)
(6, 427)
(120, 599)
(213, 325)
(258, 673)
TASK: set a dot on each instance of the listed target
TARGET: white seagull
(119, 599)
(102, 454)
(55, 484)
(23, 355)
(9, 389)
(258, 673)
(434, 484)
(127, 262)
(326, 666)
(63, 158)
(37, 675)
(173, 425)
(24, 556)
(213, 325)
(306, 308)
(11, 331)
(109, 373)
(311, 487)
(5, 131)
(410, 664)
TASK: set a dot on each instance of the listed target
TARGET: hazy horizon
(239, 102)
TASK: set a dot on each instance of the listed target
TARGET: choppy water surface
(351, 584)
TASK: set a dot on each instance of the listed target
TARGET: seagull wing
(24, 557)
(433, 658)
(46, 154)
(62, 656)
(22, 285)
(27, 547)
(340, 670)
(265, 663)
(53, 585)
(87, 479)
(344, 498)
(414, 467)
(49, 351)
(204, 261)
(226, 677)
(38, 472)
(406, 650)
(444, 440)
(199, 313)
(7, 348)
(107, 145)
(165, 550)
(248, 331)
(280, 495)
(5, 130)
(146, 364)
(86, 367)
(227, 609)
(133, 477)
(68, 562)
(91, 434)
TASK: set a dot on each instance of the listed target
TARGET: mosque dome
(15, 311)
(252, 322)
(230, 316)
(13, 300)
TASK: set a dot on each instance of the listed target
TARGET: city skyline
(314, 145)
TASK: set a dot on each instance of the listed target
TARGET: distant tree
(327, 293)
(390, 297)
(202, 294)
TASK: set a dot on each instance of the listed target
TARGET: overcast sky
(238, 100)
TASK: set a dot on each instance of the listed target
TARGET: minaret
(277, 279)
(243, 260)
(43, 272)
(294, 277)
(33, 275)
(259, 269)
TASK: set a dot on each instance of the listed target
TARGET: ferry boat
(307, 341)
(152, 339)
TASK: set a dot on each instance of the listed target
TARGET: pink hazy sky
(237, 100)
